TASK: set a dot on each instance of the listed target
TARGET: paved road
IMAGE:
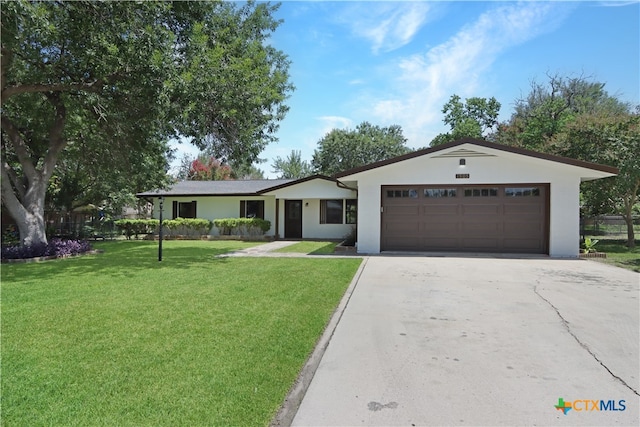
(481, 341)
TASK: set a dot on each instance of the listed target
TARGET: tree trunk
(27, 213)
(629, 201)
(24, 198)
(631, 238)
(32, 228)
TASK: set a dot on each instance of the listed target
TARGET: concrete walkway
(261, 250)
(269, 250)
(477, 341)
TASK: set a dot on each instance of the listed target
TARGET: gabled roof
(230, 188)
(218, 188)
(299, 181)
(481, 143)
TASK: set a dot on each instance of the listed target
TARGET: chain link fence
(93, 229)
(611, 227)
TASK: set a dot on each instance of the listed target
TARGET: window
(440, 192)
(184, 209)
(410, 193)
(252, 209)
(480, 192)
(330, 211)
(351, 211)
(522, 191)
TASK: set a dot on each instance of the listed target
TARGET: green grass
(619, 255)
(310, 247)
(121, 339)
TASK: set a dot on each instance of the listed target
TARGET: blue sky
(399, 62)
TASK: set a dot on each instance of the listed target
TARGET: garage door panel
(481, 228)
(481, 244)
(439, 210)
(475, 218)
(524, 209)
(481, 209)
(440, 244)
(523, 227)
(403, 228)
(439, 227)
(523, 244)
(402, 210)
(403, 243)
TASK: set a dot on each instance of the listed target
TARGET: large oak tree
(292, 167)
(549, 107)
(475, 118)
(343, 149)
(121, 78)
(612, 140)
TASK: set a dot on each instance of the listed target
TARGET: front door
(293, 219)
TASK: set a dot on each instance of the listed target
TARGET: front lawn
(619, 255)
(121, 339)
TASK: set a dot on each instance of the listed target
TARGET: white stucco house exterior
(464, 196)
(315, 207)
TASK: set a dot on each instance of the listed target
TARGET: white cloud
(425, 81)
(333, 122)
(388, 26)
(612, 3)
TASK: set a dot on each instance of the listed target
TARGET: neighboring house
(465, 196)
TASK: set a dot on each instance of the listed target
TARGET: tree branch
(11, 201)
(7, 59)
(56, 140)
(14, 179)
(21, 149)
(95, 86)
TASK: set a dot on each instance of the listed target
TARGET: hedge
(134, 227)
(190, 227)
(194, 227)
(242, 226)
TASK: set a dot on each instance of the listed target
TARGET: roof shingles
(217, 188)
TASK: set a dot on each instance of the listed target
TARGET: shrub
(590, 245)
(55, 247)
(10, 235)
(190, 227)
(351, 237)
(242, 226)
(135, 227)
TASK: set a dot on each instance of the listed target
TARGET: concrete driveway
(481, 341)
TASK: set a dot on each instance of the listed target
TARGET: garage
(508, 218)
(471, 196)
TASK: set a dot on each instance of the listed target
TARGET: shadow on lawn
(126, 259)
(324, 250)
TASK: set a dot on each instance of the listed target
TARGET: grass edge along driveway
(119, 338)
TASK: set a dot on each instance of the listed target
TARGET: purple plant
(55, 247)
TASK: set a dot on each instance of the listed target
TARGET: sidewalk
(268, 250)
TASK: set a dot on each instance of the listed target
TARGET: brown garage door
(473, 218)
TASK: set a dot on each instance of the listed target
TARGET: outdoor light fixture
(161, 202)
(463, 162)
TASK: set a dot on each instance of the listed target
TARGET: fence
(93, 229)
(607, 226)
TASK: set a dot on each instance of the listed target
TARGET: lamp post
(161, 199)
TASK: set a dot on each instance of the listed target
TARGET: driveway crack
(582, 344)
